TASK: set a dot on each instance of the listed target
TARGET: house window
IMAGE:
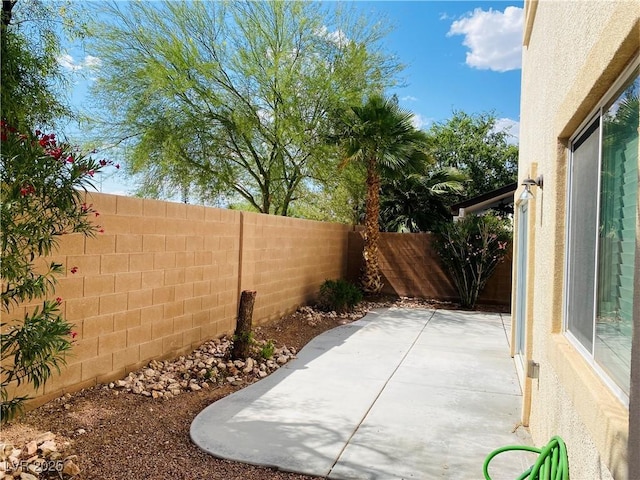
(602, 218)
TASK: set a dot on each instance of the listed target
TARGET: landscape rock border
(40, 458)
(209, 365)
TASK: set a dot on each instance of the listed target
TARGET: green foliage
(232, 99)
(32, 80)
(266, 351)
(418, 202)
(338, 198)
(34, 349)
(379, 134)
(42, 184)
(339, 295)
(471, 144)
(471, 249)
(247, 337)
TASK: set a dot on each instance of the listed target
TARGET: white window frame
(595, 115)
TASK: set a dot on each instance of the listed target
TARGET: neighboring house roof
(497, 199)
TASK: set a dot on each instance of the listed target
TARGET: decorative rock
(47, 447)
(249, 365)
(30, 448)
(70, 468)
(81, 431)
(28, 476)
(206, 366)
(5, 450)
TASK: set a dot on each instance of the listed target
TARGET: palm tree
(381, 136)
(418, 202)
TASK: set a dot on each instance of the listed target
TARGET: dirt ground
(118, 435)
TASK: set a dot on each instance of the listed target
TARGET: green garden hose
(552, 462)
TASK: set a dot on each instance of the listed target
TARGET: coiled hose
(552, 462)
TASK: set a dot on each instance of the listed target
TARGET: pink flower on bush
(27, 190)
(55, 153)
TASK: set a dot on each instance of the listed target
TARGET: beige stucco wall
(575, 51)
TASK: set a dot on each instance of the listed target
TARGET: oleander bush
(42, 198)
(471, 249)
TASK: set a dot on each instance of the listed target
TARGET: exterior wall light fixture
(527, 183)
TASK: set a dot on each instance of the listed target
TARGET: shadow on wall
(411, 268)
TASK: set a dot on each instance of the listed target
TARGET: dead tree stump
(242, 336)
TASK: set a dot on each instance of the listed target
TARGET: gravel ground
(119, 435)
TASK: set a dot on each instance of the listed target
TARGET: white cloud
(337, 36)
(89, 62)
(494, 38)
(92, 62)
(67, 61)
(511, 127)
(420, 122)
(409, 98)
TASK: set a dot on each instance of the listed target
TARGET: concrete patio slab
(400, 393)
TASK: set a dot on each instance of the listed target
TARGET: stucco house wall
(573, 53)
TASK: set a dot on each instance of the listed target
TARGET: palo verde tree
(380, 136)
(232, 98)
(472, 145)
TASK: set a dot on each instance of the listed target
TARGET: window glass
(617, 234)
(583, 226)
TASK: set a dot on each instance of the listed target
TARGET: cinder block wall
(411, 267)
(287, 259)
(164, 277)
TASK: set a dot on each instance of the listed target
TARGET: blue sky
(459, 55)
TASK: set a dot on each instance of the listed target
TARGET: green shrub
(339, 295)
(266, 351)
(471, 249)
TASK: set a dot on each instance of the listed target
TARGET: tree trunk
(242, 336)
(371, 278)
(7, 7)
